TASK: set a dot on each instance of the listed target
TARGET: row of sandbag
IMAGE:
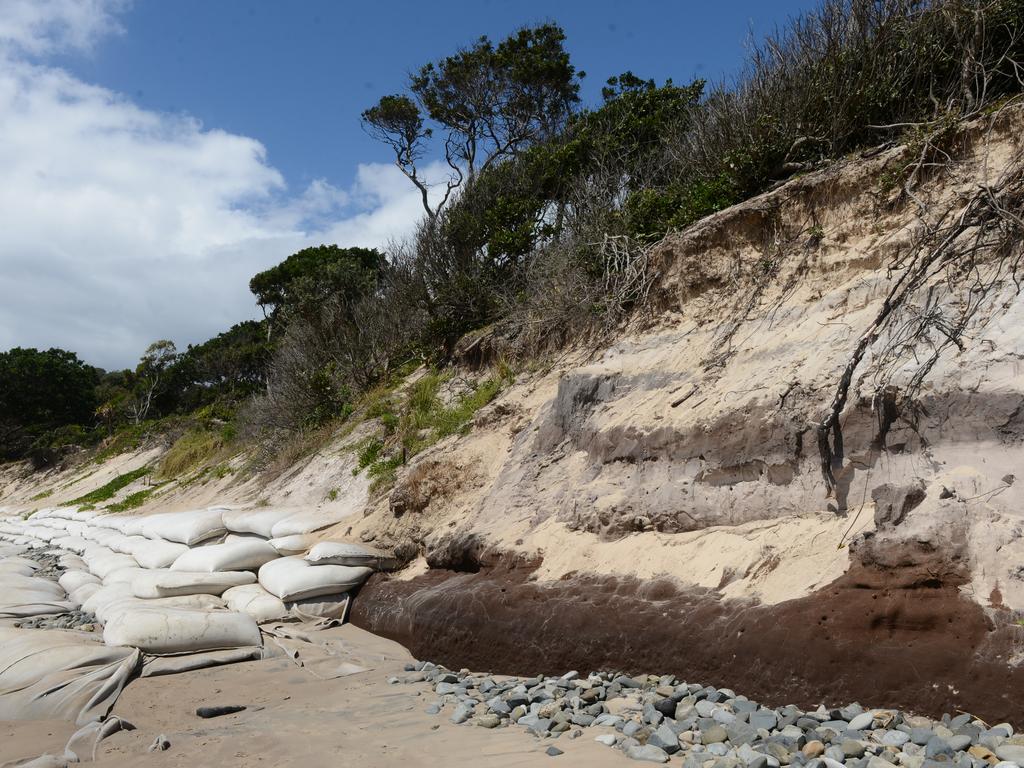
(155, 583)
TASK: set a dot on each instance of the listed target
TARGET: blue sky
(296, 75)
(158, 153)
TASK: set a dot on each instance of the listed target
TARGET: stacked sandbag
(343, 553)
(187, 581)
(293, 578)
(23, 596)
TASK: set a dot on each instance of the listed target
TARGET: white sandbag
(255, 601)
(17, 569)
(150, 553)
(71, 543)
(236, 555)
(72, 563)
(295, 544)
(72, 580)
(259, 521)
(104, 565)
(83, 593)
(167, 583)
(11, 581)
(179, 630)
(292, 578)
(25, 596)
(124, 575)
(24, 562)
(106, 594)
(56, 675)
(118, 542)
(191, 602)
(189, 527)
(308, 521)
(133, 526)
(321, 607)
(343, 553)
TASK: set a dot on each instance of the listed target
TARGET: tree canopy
(309, 276)
(488, 101)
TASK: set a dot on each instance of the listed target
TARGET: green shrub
(110, 489)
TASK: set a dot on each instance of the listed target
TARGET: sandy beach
(295, 719)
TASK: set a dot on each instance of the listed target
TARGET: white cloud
(119, 226)
(42, 26)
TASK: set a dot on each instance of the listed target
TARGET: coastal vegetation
(538, 235)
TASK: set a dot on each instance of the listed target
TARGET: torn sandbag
(153, 666)
(82, 746)
(189, 527)
(292, 578)
(236, 555)
(343, 553)
(161, 630)
(59, 675)
(167, 583)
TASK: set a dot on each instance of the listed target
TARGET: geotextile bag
(236, 555)
(292, 578)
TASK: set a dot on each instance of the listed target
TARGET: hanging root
(973, 252)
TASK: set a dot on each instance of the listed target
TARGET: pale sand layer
(295, 719)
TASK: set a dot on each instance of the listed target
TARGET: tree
(227, 367)
(151, 377)
(41, 392)
(490, 102)
(307, 278)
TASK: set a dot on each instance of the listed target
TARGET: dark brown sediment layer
(922, 647)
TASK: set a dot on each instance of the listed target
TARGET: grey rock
(862, 721)
(936, 747)
(959, 721)
(1011, 753)
(631, 728)
(741, 733)
(433, 709)
(553, 752)
(461, 714)
(606, 738)
(852, 748)
(895, 738)
(666, 707)
(921, 736)
(665, 738)
(958, 743)
(718, 749)
(835, 752)
(714, 734)
(764, 718)
(647, 753)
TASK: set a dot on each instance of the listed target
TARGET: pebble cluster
(658, 719)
